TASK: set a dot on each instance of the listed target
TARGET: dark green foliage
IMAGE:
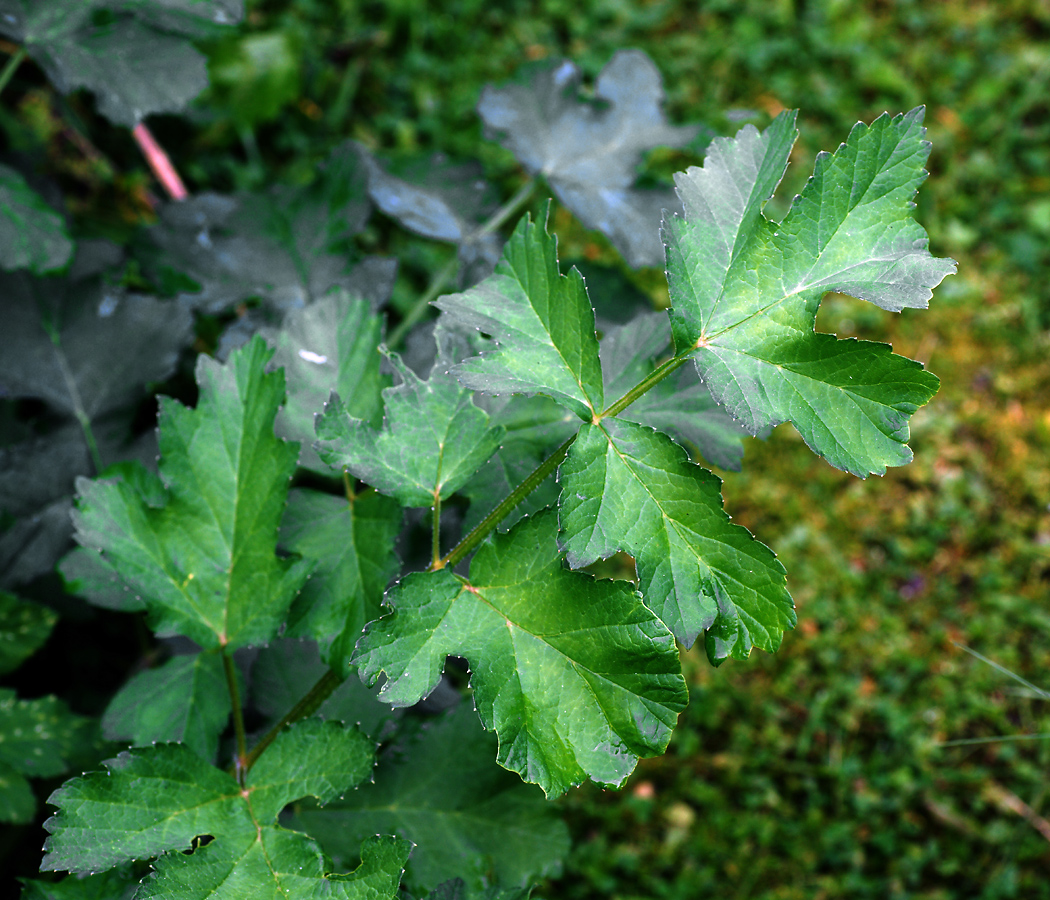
(183, 700)
(469, 820)
(38, 737)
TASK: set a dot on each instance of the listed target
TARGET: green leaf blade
(353, 545)
(433, 439)
(723, 209)
(275, 863)
(315, 758)
(159, 800)
(205, 561)
(147, 801)
(185, 700)
(576, 676)
(542, 322)
(850, 400)
(38, 736)
(850, 230)
(628, 487)
(17, 802)
(745, 291)
(330, 345)
(24, 627)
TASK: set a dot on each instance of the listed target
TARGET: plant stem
(305, 707)
(508, 209)
(650, 380)
(11, 67)
(486, 525)
(437, 283)
(240, 764)
(435, 540)
(250, 145)
(89, 437)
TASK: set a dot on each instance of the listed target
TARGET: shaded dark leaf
(589, 151)
(439, 788)
(134, 64)
(282, 246)
(32, 235)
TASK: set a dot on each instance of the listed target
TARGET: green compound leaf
(24, 627)
(542, 322)
(133, 64)
(575, 675)
(162, 798)
(627, 487)
(198, 543)
(432, 440)
(679, 405)
(32, 235)
(468, 818)
(745, 290)
(353, 545)
(186, 700)
(330, 345)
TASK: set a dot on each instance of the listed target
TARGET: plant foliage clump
(536, 438)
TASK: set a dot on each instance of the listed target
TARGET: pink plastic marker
(159, 163)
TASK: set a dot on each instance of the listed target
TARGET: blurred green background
(821, 772)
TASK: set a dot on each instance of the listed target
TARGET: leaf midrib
(547, 331)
